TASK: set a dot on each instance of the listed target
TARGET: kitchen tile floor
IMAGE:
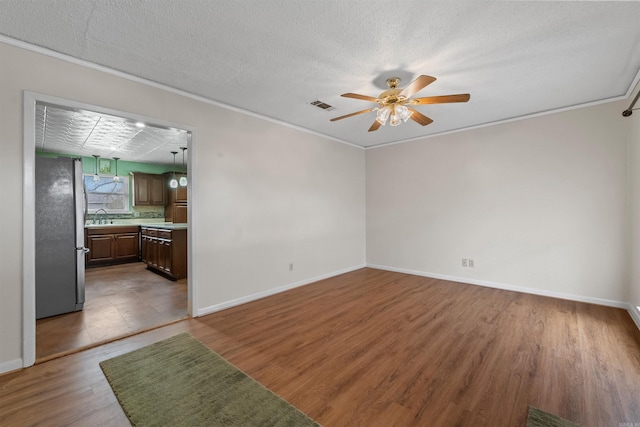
(120, 300)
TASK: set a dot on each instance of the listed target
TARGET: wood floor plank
(377, 348)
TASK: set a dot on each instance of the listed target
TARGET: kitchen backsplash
(139, 215)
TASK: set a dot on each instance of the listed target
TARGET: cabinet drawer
(150, 232)
(111, 229)
(164, 234)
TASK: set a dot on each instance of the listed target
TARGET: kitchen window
(107, 194)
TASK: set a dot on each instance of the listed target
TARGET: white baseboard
(11, 365)
(534, 291)
(243, 300)
(634, 312)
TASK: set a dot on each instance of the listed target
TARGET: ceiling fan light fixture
(395, 119)
(383, 114)
(403, 112)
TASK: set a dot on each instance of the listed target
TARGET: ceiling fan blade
(444, 99)
(417, 85)
(374, 126)
(419, 117)
(352, 114)
(357, 96)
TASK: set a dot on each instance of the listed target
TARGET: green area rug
(538, 418)
(181, 382)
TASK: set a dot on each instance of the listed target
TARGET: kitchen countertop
(109, 225)
(165, 225)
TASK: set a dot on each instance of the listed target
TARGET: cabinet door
(126, 246)
(142, 194)
(148, 189)
(152, 251)
(100, 247)
(144, 249)
(180, 213)
(175, 195)
(157, 190)
(164, 255)
(181, 192)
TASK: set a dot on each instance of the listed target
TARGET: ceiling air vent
(322, 105)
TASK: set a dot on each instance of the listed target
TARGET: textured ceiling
(274, 57)
(87, 133)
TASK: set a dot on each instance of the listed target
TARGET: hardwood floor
(120, 300)
(376, 348)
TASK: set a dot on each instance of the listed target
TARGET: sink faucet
(100, 217)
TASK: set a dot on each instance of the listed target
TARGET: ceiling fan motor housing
(391, 96)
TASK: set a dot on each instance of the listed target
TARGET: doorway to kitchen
(120, 299)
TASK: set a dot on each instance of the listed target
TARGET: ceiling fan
(396, 104)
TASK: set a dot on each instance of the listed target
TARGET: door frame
(28, 210)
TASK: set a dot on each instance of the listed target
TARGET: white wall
(277, 196)
(264, 195)
(539, 204)
(634, 162)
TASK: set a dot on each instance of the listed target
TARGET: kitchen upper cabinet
(176, 213)
(178, 195)
(112, 245)
(148, 189)
(176, 207)
(175, 195)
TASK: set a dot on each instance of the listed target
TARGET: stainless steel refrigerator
(60, 252)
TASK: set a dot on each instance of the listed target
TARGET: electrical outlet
(471, 264)
(291, 267)
(465, 262)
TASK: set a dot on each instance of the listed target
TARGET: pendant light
(116, 178)
(96, 177)
(174, 183)
(183, 179)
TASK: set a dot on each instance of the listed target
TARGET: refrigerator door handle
(80, 280)
(80, 197)
(80, 202)
(86, 203)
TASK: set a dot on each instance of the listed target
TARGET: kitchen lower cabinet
(164, 250)
(126, 246)
(165, 257)
(111, 245)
